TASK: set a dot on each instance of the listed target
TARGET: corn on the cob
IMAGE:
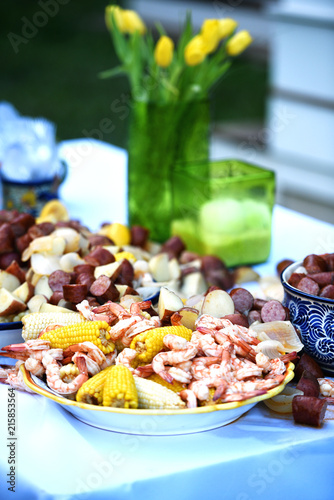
(125, 255)
(149, 343)
(91, 392)
(92, 331)
(119, 389)
(175, 386)
(156, 396)
(68, 372)
(34, 323)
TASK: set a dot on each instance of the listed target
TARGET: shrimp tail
(290, 356)
(166, 376)
(80, 362)
(220, 391)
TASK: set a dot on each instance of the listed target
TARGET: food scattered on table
(93, 336)
(53, 263)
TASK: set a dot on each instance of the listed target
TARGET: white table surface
(259, 456)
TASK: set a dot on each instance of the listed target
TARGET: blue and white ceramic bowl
(314, 318)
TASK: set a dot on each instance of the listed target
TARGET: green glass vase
(161, 136)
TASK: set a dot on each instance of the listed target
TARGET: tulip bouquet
(161, 72)
(170, 109)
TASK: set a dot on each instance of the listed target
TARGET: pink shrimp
(200, 389)
(15, 379)
(93, 368)
(326, 387)
(30, 348)
(254, 385)
(138, 307)
(170, 358)
(141, 326)
(174, 342)
(248, 372)
(35, 367)
(144, 371)
(110, 360)
(12, 376)
(189, 397)
(226, 364)
(206, 344)
(180, 375)
(88, 313)
(200, 366)
(207, 321)
(54, 380)
(272, 367)
(185, 365)
(120, 329)
(126, 357)
(90, 349)
(175, 319)
(241, 346)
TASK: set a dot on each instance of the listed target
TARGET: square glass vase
(226, 212)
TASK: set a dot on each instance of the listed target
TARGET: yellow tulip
(210, 34)
(163, 53)
(226, 27)
(133, 22)
(194, 52)
(113, 11)
(238, 43)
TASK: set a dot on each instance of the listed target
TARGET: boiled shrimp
(180, 375)
(326, 387)
(189, 397)
(15, 379)
(170, 358)
(126, 357)
(90, 349)
(87, 312)
(174, 342)
(207, 321)
(30, 348)
(54, 380)
(206, 344)
(271, 366)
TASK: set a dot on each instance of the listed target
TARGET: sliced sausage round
(75, 293)
(273, 311)
(243, 299)
(309, 286)
(58, 279)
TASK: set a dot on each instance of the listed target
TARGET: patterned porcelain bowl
(314, 318)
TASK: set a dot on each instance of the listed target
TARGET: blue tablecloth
(261, 455)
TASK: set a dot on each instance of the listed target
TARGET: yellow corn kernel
(125, 255)
(91, 392)
(175, 386)
(68, 372)
(92, 331)
(118, 233)
(149, 343)
(119, 389)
